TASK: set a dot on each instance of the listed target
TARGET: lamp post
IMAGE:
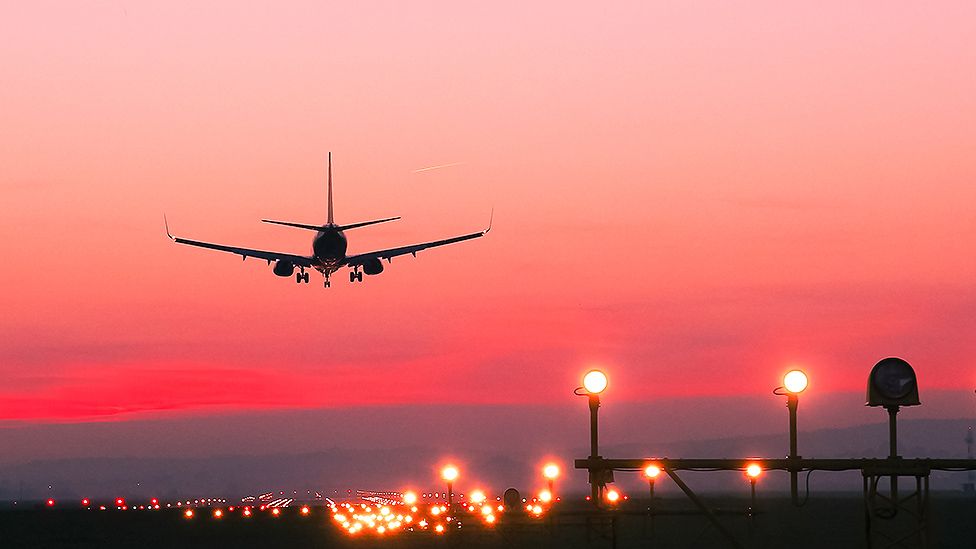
(794, 383)
(753, 470)
(651, 472)
(450, 474)
(551, 471)
(594, 383)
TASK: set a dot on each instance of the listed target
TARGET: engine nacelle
(372, 266)
(284, 268)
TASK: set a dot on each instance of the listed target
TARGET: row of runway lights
(355, 518)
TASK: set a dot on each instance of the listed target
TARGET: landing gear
(327, 283)
(301, 277)
(355, 275)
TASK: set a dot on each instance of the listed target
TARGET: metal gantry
(892, 384)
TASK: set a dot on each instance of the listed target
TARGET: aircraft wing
(245, 252)
(388, 254)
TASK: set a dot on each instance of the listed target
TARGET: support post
(595, 476)
(792, 402)
(893, 448)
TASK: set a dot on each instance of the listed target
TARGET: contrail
(429, 168)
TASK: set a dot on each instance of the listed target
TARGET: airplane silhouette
(328, 248)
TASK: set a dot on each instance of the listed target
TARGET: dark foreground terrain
(823, 522)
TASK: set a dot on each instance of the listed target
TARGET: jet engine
(284, 268)
(372, 266)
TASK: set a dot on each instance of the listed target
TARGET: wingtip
(491, 218)
(166, 225)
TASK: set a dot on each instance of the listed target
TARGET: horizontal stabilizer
(297, 225)
(364, 223)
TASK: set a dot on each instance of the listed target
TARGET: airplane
(328, 248)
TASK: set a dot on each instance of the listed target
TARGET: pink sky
(694, 197)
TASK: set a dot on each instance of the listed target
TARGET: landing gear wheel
(352, 276)
(327, 283)
(305, 278)
(359, 276)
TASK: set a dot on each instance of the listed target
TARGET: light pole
(794, 383)
(551, 471)
(450, 474)
(753, 470)
(651, 472)
(594, 383)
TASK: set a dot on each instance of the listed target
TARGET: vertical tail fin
(331, 219)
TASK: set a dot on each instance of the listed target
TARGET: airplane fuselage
(329, 248)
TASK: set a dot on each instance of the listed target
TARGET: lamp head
(892, 383)
(449, 473)
(795, 381)
(550, 471)
(595, 382)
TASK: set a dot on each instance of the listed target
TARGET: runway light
(305, 509)
(545, 496)
(188, 513)
(275, 511)
(753, 470)
(50, 503)
(613, 496)
(85, 502)
(795, 381)
(449, 473)
(247, 511)
(409, 498)
(439, 528)
(119, 502)
(551, 470)
(477, 496)
(652, 471)
(218, 514)
(595, 382)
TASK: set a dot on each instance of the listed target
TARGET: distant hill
(335, 470)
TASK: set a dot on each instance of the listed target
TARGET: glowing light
(551, 470)
(188, 513)
(490, 519)
(753, 470)
(247, 512)
(537, 510)
(795, 381)
(478, 496)
(449, 473)
(275, 511)
(486, 510)
(652, 471)
(439, 528)
(305, 509)
(409, 498)
(50, 503)
(218, 514)
(435, 510)
(119, 502)
(545, 496)
(613, 496)
(595, 382)
(86, 502)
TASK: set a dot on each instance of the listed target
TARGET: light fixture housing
(892, 383)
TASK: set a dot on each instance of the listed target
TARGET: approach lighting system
(595, 382)
(652, 471)
(410, 498)
(892, 383)
(449, 473)
(613, 496)
(795, 381)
